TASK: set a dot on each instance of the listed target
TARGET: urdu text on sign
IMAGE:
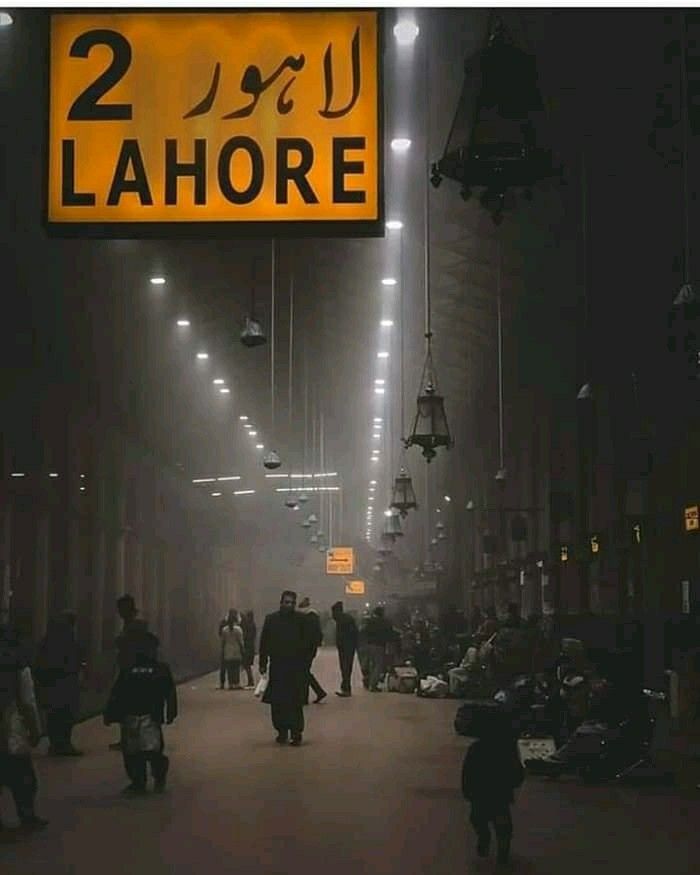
(215, 117)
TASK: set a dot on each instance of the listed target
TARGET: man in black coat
(284, 643)
(346, 637)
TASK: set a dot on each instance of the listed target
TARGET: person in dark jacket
(250, 634)
(142, 698)
(346, 640)
(315, 636)
(284, 645)
(379, 633)
(58, 669)
(490, 772)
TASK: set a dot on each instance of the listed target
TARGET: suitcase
(402, 679)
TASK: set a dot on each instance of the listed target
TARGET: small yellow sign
(340, 560)
(595, 544)
(692, 518)
(355, 587)
(160, 117)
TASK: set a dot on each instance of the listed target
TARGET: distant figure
(315, 638)
(362, 651)
(250, 633)
(284, 645)
(20, 730)
(346, 640)
(232, 647)
(490, 773)
(142, 698)
(58, 670)
(379, 634)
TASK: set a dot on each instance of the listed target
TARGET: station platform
(374, 790)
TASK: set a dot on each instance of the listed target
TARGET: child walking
(491, 771)
(142, 696)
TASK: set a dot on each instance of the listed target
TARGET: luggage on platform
(402, 679)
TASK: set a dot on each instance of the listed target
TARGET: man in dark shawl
(285, 646)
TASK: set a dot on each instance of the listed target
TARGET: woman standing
(232, 649)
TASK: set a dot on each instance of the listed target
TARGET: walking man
(346, 637)
(249, 636)
(315, 639)
(285, 646)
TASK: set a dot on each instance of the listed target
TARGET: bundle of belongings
(433, 688)
(402, 678)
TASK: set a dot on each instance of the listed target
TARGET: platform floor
(374, 790)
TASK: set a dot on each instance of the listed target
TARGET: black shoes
(134, 790)
(484, 844)
(33, 822)
(343, 694)
(296, 741)
(503, 857)
(159, 781)
(320, 698)
(282, 738)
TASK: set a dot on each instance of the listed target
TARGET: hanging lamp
(306, 524)
(313, 539)
(392, 525)
(252, 334)
(430, 429)
(500, 154)
(272, 459)
(403, 495)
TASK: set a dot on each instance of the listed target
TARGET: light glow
(243, 418)
(218, 381)
(394, 225)
(233, 477)
(216, 494)
(225, 391)
(157, 280)
(17, 474)
(183, 323)
(379, 391)
(379, 382)
(202, 355)
(260, 446)
(401, 144)
(205, 480)
(387, 323)
(389, 281)
(244, 492)
(382, 355)
(406, 32)
(253, 433)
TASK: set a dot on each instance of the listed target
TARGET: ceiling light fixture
(386, 323)
(233, 477)
(218, 382)
(242, 418)
(379, 382)
(244, 492)
(6, 20)
(202, 355)
(389, 281)
(406, 32)
(379, 391)
(216, 494)
(260, 446)
(394, 225)
(253, 433)
(17, 474)
(401, 144)
(157, 280)
(205, 480)
(183, 323)
(225, 391)
(382, 355)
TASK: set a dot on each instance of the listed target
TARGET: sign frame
(344, 572)
(297, 229)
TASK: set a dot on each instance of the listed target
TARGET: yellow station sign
(340, 560)
(692, 518)
(215, 117)
(355, 587)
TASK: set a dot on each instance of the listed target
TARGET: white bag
(261, 686)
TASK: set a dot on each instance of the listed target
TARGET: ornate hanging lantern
(313, 518)
(430, 429)
(403, 495)
(442, 536)
(439, 525)
(292, 504)
(272, 460)
(302, 498)
(434, 542)
(392, 524)
(306, 524)
(492, 142)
